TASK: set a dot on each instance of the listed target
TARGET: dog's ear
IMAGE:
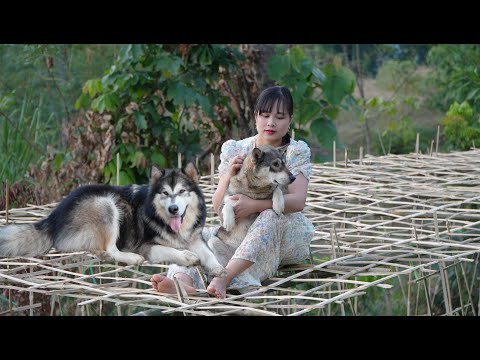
(155, 173)
(283, 150)
(257, 154)
(191, 171)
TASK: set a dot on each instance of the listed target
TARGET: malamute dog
(161, 222)
(263, 175)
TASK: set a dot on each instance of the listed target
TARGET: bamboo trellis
(403, 220)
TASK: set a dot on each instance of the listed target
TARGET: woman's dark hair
(267, 99)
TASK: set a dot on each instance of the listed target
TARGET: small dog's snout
(292, 178)
(173, 209)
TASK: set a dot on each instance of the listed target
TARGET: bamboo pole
(118, 169)
(417, 146)
(6, 201)
(212, 169)
(438, 140)
(334, 154)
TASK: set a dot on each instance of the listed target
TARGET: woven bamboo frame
(406, 217)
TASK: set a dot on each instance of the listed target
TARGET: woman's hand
(244, 207)
(235, 165)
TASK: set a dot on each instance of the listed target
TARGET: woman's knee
(268, 215)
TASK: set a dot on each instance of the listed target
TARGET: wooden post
(334, 154)
(346, 158)
(179, 157)
(196, 161)
(293, 134)
(431, 148)
(118, 169)
(361, 155)
(438, 140)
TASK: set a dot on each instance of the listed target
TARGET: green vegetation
(66, 111)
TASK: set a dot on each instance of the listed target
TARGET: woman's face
(272, 126)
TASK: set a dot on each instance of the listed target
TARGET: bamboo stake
(427, 296)
(459, 289)
(6, 200)
(417, 146)
(361, 155)
(408, 293)
(30, 294)
(438, 140)
(334, 154)
(212, 169)
(179, 160)
(118, 169)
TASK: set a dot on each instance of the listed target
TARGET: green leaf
(170, 106)
(126, 178)
(99, 104)
(137, 159)
(372, 103)
(159, 159)
(82, 102)
(92, 87)
(168, 65)
(299, 91)
(205, 104)
(140, 120)
(137, 51)
(278, 66)
(319, 75)
(307, 111)
(58, 162)
(296, 57)
(340, 82)
(324, 130)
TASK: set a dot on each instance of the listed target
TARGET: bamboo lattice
(411, 218)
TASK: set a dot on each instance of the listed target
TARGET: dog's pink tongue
(175, 223)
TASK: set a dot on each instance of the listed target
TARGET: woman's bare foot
(164, 284)
(218, 287)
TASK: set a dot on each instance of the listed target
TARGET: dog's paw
(278, 207)
(103, 256)
(218, 271)
(134, 259)
(229, 223)
(188, 259)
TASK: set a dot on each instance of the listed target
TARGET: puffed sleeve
(298, 159)
(228, 151)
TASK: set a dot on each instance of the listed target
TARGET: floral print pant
(271, 241)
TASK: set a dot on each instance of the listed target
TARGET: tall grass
(24, 135)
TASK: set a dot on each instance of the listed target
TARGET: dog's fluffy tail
(23, 240)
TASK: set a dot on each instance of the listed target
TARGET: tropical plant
(317, 93)
(461, 129)
(456, 74)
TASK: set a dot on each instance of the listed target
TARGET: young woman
(271, 240)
